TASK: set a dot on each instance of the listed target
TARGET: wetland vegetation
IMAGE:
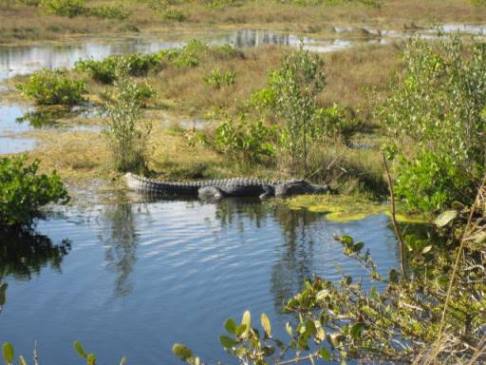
(396, 126)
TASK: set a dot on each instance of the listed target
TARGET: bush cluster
(25, 191)
(437, 113)
(48, 87)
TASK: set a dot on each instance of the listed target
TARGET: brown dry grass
(20, 22)
(356, 79)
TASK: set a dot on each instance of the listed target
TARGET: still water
(133, 278)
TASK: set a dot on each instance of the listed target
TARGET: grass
(356, 79)
(20, 22)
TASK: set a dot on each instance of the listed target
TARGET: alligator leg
(268, 192)
(210, 193)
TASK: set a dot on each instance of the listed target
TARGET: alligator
(218, 189)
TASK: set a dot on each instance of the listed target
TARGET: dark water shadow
(24, 254)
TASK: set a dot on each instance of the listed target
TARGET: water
(18, 119)
(133, 278)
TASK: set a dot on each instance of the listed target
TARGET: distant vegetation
(47, 87)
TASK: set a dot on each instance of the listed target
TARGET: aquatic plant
(48, 87)
(25, 191)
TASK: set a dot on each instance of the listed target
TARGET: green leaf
(289, 329)
(8, 352)
(358, 246)
(230, 326)
(323, 294)
(394, 276)
(445, 218)
(181, 351)
(227, 342)
(427, 249)
(357, 330)
(123, 361)
(267, 327)
(246, 319)
(347, 240)
(91, 359)
(325, 354)
(241, 329)
(80, 349)
(22, 360)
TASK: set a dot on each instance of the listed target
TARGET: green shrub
(104, 71)
(53, 87)
(69, 8)
(101, 71)
(108, 12)
(128, 135)
(188, 56)
(245, 141)
(174, 15)
(438, 107)
(24, 191)
(430, 182)
(291, 95)
(218, 79)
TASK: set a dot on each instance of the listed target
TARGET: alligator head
(296, 187)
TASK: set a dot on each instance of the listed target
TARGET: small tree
(291, 96)
(127, 133)
(437, 111)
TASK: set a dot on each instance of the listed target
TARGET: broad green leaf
(8, 352)
(325, 354)
(394, 276)
(227, 342)
(181, 351)
(427, 249)
(230, 326)
(347, 240)
(323, 294)
(358, 246)
(267, 327)
(445, 218)
(357, 330)
(246, 319)
(80, 349)
(91, 359)
(289, 329)
(241, 329)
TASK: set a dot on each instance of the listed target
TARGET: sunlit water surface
(141, 276)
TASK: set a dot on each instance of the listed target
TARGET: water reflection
(172, 271)
(251, 38)
(24, 253)
(120, 241)
(295, 263)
